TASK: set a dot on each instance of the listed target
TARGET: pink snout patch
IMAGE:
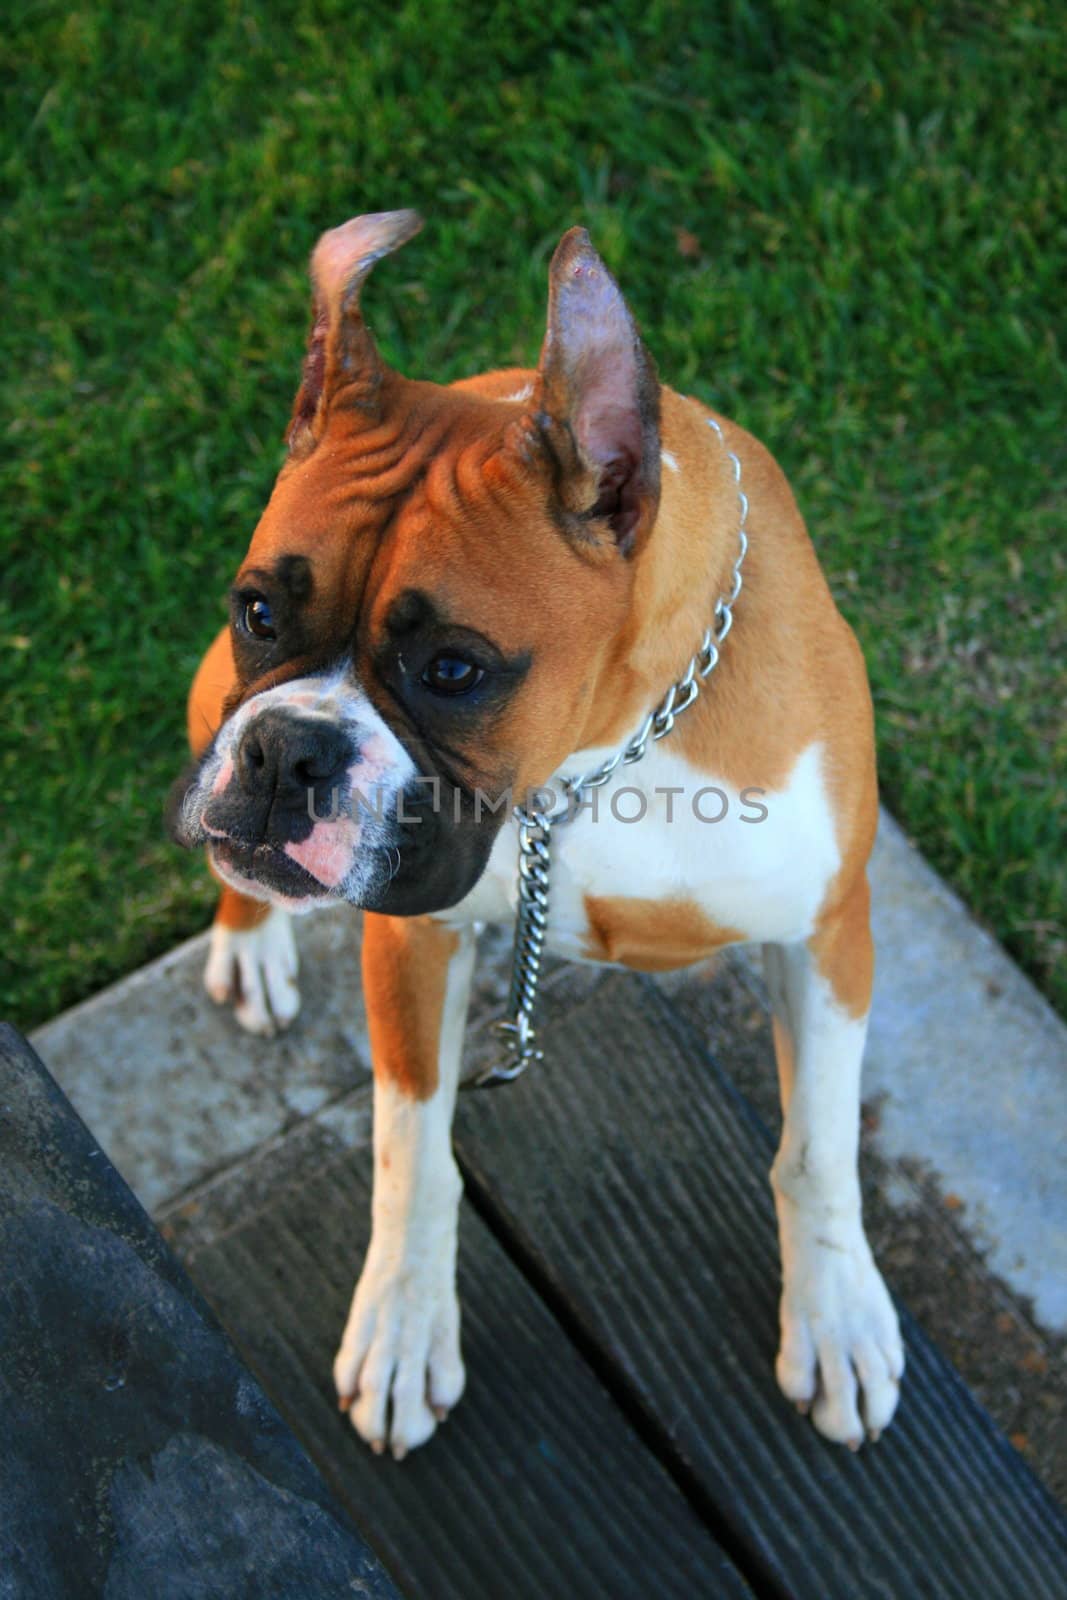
(223, 776)
(329, 851)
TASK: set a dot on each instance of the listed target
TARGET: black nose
(289, 757)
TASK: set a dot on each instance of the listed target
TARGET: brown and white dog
(487, 585)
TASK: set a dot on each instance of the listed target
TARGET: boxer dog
(459, 592)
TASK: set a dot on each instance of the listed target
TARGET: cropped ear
(342, 363)
(596, 401)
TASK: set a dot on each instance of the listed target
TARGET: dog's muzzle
(279, 800)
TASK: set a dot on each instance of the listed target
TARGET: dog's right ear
(342, 366)
(596, 403)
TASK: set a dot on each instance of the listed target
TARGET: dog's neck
(679, 575)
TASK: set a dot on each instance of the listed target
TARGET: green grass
(843, 225)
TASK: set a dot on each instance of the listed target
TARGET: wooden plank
(137, 1456)
(536, 1486)
(630, 1179)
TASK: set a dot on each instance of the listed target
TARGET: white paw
(255, 969)
(841, 1353)
(399, 1372)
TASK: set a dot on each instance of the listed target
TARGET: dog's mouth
(264, 868)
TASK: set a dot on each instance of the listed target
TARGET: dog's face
(429, 599)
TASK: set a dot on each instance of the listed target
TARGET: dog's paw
(841, 1354)
(254, 969)
(399, 1372)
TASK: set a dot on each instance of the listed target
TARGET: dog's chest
(673, 862)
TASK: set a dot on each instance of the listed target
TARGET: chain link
(515, 1030)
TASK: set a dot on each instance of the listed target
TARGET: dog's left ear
(596, 402)
(342, 365)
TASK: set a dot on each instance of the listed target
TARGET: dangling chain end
(517, 1053)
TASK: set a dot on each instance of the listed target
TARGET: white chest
(753, 861)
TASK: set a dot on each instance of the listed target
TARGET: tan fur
(405, 971)
(651, 935)
(212, 686)
(238, 911)
(844, 950)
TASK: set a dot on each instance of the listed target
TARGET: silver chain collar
(516, 1030)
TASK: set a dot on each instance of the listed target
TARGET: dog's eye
(452, 675)
(257, 618)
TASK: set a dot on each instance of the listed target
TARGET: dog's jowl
(454, 597)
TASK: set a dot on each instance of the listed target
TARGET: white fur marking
(766, 879)
(520, 394)
(840, 1345)
(260, 963)
(401, 1341)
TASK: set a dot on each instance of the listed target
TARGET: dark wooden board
(536, 1486)
(137, 1456)
(630, 1179)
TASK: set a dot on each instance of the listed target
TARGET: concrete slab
(171, 1086)
(969, 1065)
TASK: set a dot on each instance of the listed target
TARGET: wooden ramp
(622, 1434)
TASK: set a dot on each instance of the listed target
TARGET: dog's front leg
(840, 1352)
(399, 1371)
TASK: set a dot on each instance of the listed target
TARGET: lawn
(842, 225)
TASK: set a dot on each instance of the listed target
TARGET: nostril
(308, 773)
(252, 751)
(317, 768)
(319, 757)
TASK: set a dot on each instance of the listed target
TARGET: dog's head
(431, 597)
